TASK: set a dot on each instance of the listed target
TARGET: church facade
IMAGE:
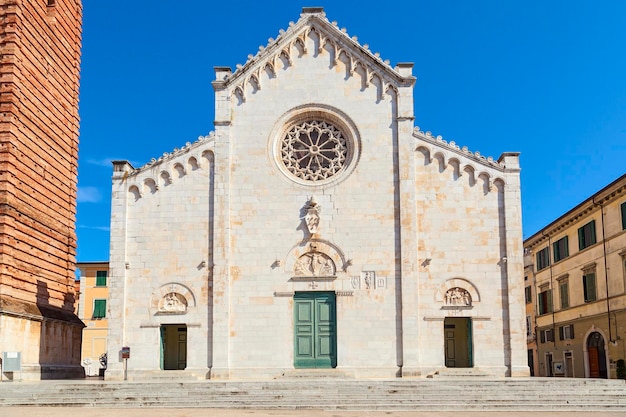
(316, 228)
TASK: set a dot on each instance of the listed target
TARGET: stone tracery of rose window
(314, 150)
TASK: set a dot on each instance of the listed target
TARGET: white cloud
(101, 228)
(104, 162)
(88, 195)
(108, 162)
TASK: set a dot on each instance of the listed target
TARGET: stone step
(295, 392)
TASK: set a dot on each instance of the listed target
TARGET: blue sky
(544, 78)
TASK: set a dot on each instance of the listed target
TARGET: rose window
(314, 150)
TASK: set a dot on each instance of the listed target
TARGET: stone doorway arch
(595, 355)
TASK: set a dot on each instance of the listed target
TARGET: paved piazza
(203, 412)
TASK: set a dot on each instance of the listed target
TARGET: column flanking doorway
(315, 336)
(173, 346)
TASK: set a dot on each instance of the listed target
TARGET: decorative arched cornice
(150, 185)
(451, 147)
(465, 164)
(166, 170)
(314, 26)
(166, 178)
(202, 141)
(135, 192)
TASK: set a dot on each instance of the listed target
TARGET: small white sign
(558, 368)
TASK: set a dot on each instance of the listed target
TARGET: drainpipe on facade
(551, 287)
(606, 271)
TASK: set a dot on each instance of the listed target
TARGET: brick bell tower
(40, 43)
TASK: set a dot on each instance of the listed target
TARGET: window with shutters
(564, 293)
(589, 286)
(544, 301)
(528, 294)
(543, 258)
(546, 335)
(623, 255)
(623, 208)
(566, 332)
(587, 235)
(99, 309)
(560, 249)
(101, 278)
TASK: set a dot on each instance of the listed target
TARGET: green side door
(315, 339)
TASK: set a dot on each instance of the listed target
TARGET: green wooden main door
(315, 330)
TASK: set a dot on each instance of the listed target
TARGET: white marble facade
(316, 181)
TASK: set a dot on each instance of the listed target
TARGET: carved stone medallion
(315, 264)
(458, 297)
(173, 303)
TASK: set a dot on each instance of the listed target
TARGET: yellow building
(531, 318)
(579, 288)
(92, 310)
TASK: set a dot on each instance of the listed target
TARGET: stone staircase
(434, 394)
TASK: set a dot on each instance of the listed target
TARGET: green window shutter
(560, 249)
(571, 331)
(623, 206)
(101, 278)
(564, 295)
(549, 301)
(543, 258)
(589, 285)
(99, 309)
(540, 302)
(591, 282)
(587, 235)
(593, 233)
(555, 251)
(561, 333)
(581, 239)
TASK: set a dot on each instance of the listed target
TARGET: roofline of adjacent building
(572, 215)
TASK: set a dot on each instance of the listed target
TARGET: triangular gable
(313, 24)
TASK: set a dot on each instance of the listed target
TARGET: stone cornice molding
(163, 171)
(169, 156)
(494, 174)
(451, 146)
(313, 22)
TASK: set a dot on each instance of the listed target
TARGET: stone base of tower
(47, 339)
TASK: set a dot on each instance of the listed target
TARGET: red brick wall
(40, 44)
